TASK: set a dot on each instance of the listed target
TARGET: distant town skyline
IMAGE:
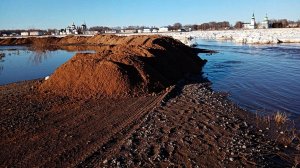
(42, 14)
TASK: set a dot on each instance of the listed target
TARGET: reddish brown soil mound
(75, 40)
(121, 66)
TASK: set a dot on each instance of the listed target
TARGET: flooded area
(18, 63)
(259, 78)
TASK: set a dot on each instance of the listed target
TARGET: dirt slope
(123, 66)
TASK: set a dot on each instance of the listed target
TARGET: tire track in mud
(66, 133)
(101, 133)
(112, 143)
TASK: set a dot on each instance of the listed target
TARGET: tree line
(175, 26)
(280, 23)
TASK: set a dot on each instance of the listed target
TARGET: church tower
(265, 23)
(252, 23)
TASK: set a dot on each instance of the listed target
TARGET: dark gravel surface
(185, 126)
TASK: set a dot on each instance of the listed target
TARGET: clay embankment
(81, 40)
(121, 66)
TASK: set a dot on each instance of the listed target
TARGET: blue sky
(45, 14)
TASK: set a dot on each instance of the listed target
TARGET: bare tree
(238, 25)
(177, 26)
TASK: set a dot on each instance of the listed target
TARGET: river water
(259, 78)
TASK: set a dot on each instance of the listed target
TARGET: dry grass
(283, 131)
(287, 138)
(280, 118)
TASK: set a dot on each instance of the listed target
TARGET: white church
(74, 30)
(252, 25)
(265, 24)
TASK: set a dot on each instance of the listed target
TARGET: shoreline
(241, 36)
(188, 118)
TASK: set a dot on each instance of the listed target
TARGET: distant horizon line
(140, 25)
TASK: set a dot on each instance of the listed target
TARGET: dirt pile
(15, 41)
(77, 40)
(31, 41)
(123, 66)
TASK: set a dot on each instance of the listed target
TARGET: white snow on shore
(255, 36)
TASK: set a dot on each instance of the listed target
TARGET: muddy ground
(43, 130)
(184, 126)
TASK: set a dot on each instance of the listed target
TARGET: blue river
(260, 78)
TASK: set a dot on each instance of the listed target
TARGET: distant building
(181, 30)
(35, 33)
(147, 30)
(129, 31)
(71, 29)
(111, 31)
(293, 25)
(252, 24)
(13, 34)
(62, 32)
(24, 33)
(155, 30)
(90, 32)
(74, 30)
(163, 29)
(83, 27)
(265, 24)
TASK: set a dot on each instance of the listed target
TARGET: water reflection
(2, 55)
(23, 63)
(19, 63)
(38, 56)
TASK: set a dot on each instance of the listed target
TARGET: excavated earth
(121, 66)
(129, 104)
(124, 66)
